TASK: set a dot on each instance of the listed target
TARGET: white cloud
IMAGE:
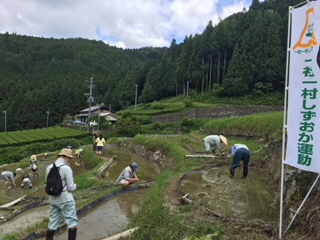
(231, 9)
(122, 23)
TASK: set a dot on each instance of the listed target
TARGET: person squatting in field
(128, 175)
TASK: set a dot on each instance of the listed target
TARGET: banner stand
(285, 126)
(306, 197)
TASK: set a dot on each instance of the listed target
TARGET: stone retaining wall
(212, 113)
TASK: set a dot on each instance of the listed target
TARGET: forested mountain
(243, 53)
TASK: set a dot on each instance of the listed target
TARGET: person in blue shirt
(240, 152)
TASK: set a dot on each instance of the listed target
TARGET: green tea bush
(15, 154)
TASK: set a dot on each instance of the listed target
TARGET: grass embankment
(90, 188)
(154, 219)
(264, 125)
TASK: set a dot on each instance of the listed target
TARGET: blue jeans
(69, 212)
(244, 155)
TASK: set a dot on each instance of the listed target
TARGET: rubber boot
(72, 233)
(245, 174)
(50, 234)
(231, 173)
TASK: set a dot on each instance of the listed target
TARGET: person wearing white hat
(33, 165)
(63, 204)
(212, 142)
(128, 175)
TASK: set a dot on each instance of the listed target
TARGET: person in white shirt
(128, 175)
(212, 142)
(26, 180)
(33, 165)
(8, 177)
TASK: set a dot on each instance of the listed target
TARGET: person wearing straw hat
(240, 152)
(33, 165)
(212, 142)
(63, 204)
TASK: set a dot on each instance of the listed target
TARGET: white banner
(303, 124)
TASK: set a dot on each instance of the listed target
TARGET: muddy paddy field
(245, 209)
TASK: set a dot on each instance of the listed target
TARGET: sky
(125, 24)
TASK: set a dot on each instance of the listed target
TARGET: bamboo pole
(121, 235)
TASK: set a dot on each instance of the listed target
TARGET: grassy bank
(156, 219)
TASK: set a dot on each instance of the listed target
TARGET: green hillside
(242, 55)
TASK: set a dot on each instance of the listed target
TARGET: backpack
(54, 182)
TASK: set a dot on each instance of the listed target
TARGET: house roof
(101, 111)
(110, 118)
(94, 108)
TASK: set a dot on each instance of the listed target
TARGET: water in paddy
(252, 198)
(105, 219)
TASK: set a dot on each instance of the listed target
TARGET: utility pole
(48, 118)
(90, 100)
(135, 102)
(5, 121)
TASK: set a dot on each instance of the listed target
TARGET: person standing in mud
(63, 204)
(100, 144)
(240, 152)
(128, 175)
(33, 165)
(8, 177)
(212, 142)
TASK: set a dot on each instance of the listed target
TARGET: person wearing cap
(8, 177)
(212, 142)
(63, 204)
(26, 180)
(128, 175)
(240, 152)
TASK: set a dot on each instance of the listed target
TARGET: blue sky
(121, 23)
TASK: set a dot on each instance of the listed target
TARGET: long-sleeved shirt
(8, 175)
(67, 182)
(212, 141)
(126, 174)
